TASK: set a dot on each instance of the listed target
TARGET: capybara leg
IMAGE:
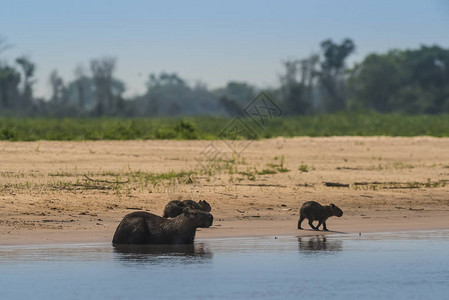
(324, 226)
(301, 218)
(319, 224)
(311, 225)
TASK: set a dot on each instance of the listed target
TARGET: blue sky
(208, 41)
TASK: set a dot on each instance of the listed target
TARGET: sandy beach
(73, 192)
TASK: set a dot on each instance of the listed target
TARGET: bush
(7, 134)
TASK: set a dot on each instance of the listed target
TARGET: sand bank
(60, 192)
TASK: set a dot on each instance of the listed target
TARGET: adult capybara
(175, 208)
(145, 228)
(314, 211)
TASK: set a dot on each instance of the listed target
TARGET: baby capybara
(175, 208)
(145, 228)
(314, 211)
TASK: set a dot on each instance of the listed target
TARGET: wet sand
(63, 192)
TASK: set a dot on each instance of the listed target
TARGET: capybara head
(335, 210)
(204, 205)
(198, 217)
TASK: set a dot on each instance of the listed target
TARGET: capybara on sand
(174, 208)
(314, 211)
(145, 228)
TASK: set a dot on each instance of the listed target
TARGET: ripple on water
(404, 265)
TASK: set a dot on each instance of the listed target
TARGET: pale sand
(403, 184)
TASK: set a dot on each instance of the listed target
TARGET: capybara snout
(336, 211)
(201, 218)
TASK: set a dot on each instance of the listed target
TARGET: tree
(28, 69)
(9, 81)
(372, 82)
(332, 73)
(57, 86)
(240, 92)
(411, 81)
(165, 80)
(292, 89)
(232, 107)
(102, 71)
(80, 84)
(429, 72)
(168, 94)
(9, 87)
(298, 84)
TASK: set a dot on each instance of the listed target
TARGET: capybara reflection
(314, 211)
(174, 208)
(145, 228)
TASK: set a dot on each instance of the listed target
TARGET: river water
(406, 265)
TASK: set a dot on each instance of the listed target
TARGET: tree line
(410, 81)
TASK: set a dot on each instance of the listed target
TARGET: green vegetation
(31, 129)
(125, 181)
(342, 124)
(117, 182)
(266, 172)
(304, 168)
(279, 167)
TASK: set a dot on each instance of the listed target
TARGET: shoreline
(240, 229)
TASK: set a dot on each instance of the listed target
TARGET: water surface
(411, 265)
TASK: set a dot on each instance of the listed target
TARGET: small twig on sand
(106, 181)
(336, 184)
(260, 184)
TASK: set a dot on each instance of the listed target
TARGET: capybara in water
(174, 208)
(145, 228)
(314, 211)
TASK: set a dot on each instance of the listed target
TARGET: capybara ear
(186, 211)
